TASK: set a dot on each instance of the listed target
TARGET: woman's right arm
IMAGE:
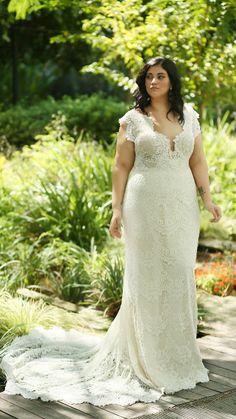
(123, 163)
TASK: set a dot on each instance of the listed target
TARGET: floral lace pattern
(150, 348)
(152, 147)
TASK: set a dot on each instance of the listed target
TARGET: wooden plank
(200, 412)
(220, 370)
(187, 395)
(17, 411)
(87, 408)
(228, 342)
(128, 411)
(222, 406)
(218, 345)
(221, 379)
(212, 353)
(116, 409)
(5, 415)
(226, 365)
(62, 410)
(46, 410)
(214, 385)
(95, 411)
(159, 405)
(171, 415)
(219, 359)
(161, 415)
(204, 391)
(140, 409)
(175, 400)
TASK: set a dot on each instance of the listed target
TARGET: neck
(160, 105)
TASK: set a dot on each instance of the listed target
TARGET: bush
(106, 272)
(59, 189)
(220, 149)
(96, 115)
(55, 202)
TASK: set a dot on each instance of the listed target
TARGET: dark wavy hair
(175, 98)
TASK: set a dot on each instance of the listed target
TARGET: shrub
(220, 148)
(96, 115)
(55, 202)
(59, 188)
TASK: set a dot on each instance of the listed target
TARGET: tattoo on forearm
(201, 191)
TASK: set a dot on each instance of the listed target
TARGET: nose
(153, 81)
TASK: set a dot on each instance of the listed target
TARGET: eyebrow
(149, 72)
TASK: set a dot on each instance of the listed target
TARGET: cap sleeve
(130, 127)
(195, 123)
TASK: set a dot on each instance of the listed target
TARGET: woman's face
(157, 81)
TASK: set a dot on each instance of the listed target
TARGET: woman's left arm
(199, 168)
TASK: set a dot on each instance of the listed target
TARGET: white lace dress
(151, 347)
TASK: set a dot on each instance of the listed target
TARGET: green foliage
(53, 193)
(19, 317)
(55, 209)
(63, 270)
(95, 115)
(220, 149)
(199, 36)
(106, 272)
(128, 33)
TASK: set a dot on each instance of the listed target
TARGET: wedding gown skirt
(150, 348)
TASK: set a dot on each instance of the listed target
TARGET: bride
(150, 348)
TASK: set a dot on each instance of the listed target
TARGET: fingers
(115, 228)
(217, 214)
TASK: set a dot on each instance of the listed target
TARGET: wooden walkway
(212, 400)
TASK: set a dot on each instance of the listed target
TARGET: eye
(161, 77)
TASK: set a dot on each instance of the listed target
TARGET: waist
(163, 169)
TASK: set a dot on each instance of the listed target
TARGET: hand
(215, 211)
(115, 225)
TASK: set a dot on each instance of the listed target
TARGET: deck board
(4, 415)
(220, 407)
(45, 410)
(214, 385)
(219, 356)
(12, 408)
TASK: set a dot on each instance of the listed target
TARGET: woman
(150, 348)
(156, 175)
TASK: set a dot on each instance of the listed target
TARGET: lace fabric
(130, 129)
(150, 348)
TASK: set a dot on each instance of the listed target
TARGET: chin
(157, 93)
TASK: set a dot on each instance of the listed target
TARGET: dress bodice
(152, 148)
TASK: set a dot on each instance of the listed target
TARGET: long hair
(175, 98)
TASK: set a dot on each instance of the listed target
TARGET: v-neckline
(170, 141)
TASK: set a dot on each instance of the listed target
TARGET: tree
(199, 36)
